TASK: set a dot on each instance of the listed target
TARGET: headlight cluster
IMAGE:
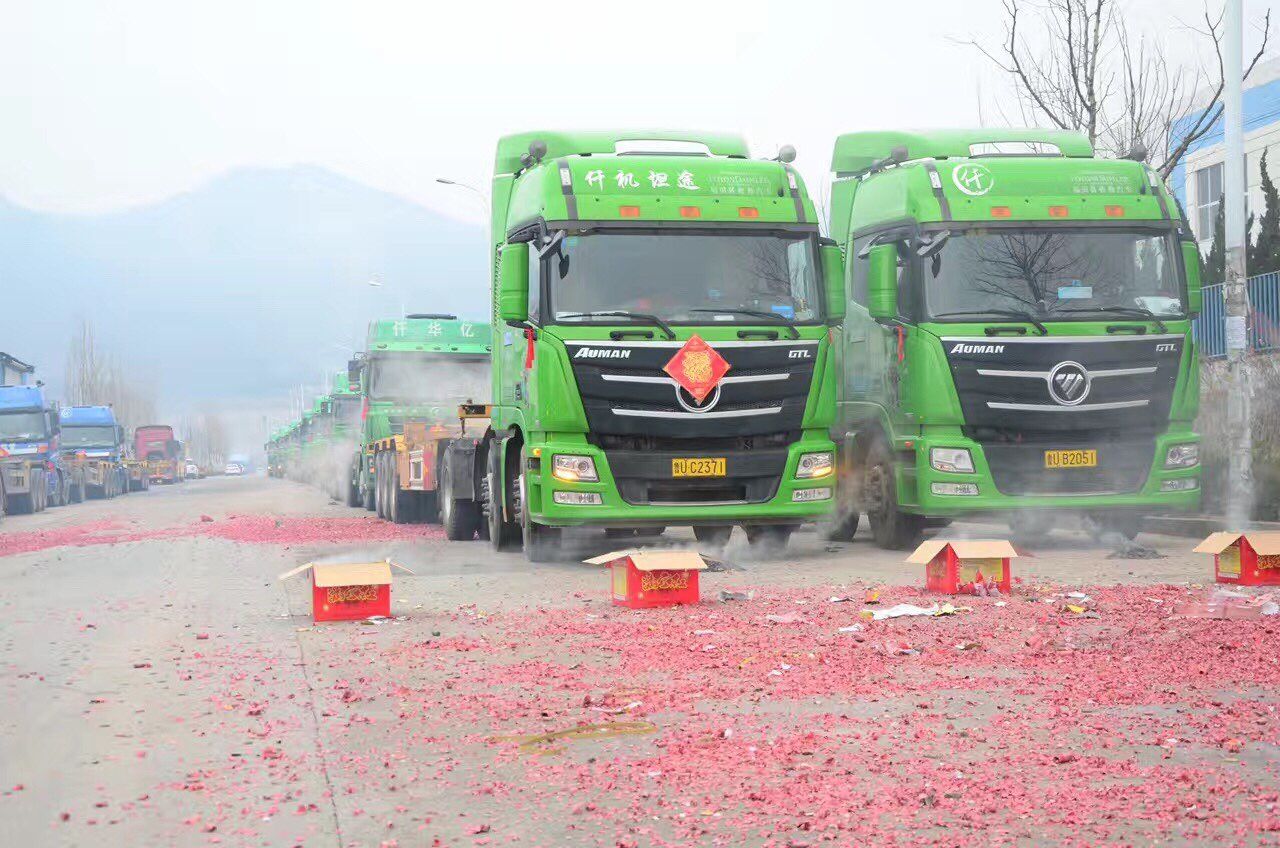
(1182, 456)
(574, 468)
(951, 460)
(814, 465)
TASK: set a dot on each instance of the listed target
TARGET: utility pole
(1235, 292)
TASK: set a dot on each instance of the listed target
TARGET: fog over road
(159, 686)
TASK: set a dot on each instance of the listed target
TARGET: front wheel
(712, 537)
(499, 484)
(891, 528)
(769, 538)
(541, 543)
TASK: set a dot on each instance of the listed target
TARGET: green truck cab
(662, 351)
(1017, 338)
(410, 379)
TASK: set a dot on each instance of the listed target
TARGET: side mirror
(513, 283)
(882, 281)
(55, 422)
(833, 277)
(1191, 261)
(353, 373)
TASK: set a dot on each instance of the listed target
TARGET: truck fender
(462, 456)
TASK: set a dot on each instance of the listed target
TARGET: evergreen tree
(1215, 266)
(1264, 254)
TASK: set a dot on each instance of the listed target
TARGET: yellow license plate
(698, 467)
(1070, 459)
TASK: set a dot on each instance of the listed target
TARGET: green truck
(1017, 339)
(663, 355)
(411, 378)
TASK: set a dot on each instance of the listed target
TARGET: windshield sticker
(1102, 183)
(1075, 291)
(788, 312)
(973, 180)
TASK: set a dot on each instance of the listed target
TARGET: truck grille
(1123, 466)
(644, 477)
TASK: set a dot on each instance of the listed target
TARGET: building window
(1208, 198)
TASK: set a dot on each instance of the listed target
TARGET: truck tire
(379, 485)
(769, 538)
(78, 492)
(891, 528)
(460, 517)
(366, 490)
(21, 504)
(402, 504)
(712, 536)
(844, 526)
(502, 534)
(541, 543)
(352, 495)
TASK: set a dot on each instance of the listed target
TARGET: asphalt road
(159, 686)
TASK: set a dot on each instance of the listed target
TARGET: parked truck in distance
(1017, 340)
(411, 378)
(663, 355)
(156, 445)
(32, 475)
(93, 451)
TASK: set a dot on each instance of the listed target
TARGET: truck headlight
(573, 468)
(951, 459)
(1182, 456)
(814, 465)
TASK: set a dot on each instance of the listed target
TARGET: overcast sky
(107, 105)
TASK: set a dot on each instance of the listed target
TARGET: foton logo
(602, 353)
(976, 348)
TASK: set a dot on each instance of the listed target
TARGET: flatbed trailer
(23, 485)
(421, 467)
(94, 478)
(139, 474)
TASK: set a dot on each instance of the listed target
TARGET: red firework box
(966, 566)
(642, 579)
(1246, 559)
(348, 591)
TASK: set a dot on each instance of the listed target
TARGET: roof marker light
(1059, 211)
(1001, 212)
(690, 212)
(1115, 211)
(629, 211)
(748, 212)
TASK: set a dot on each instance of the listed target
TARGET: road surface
(161, 687)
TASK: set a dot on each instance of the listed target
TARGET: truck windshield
(80, 436)
(686, 276)
(21, 426)
(428, 377)
(1059, 275)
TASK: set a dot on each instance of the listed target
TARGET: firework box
(965, 566)
(1246, 559)
(348, 591)
(641, 579)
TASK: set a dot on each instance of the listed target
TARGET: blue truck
(32, 474)
(93, 452)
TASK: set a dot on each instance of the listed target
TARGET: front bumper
(614, 510)
(1146, 495)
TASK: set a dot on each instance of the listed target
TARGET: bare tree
(1085, 72)
(96, 378)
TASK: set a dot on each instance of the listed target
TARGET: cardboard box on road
(1246, 559)
(648, 578)
(959, 566)
(348, 591)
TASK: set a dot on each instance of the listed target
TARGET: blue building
(1197, 181)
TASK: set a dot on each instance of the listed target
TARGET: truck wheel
(352, 495)
(379, 485)
(78, 493)
(541, 543)
(502, 534)
(403, 505)
(460, 518)
(844, 526)
(21, 504)
(713, 537)
(769, 538)
(891, 528)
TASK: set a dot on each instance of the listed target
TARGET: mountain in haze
(240, 289)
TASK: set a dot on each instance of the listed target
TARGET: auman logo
(976, 348)
(602, 353)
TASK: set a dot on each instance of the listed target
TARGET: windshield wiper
(618, 313)
(1004, 313)
(1131, 311)
(758, 313)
